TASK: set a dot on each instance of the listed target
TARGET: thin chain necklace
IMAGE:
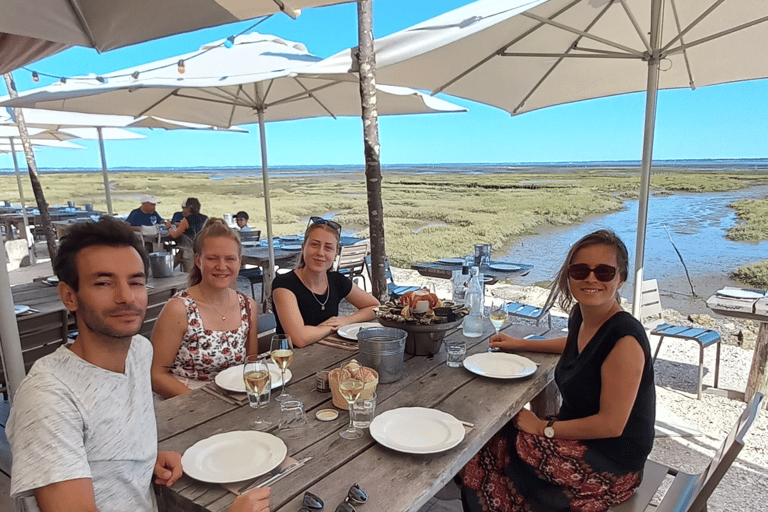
(327, 292)
(214, 306)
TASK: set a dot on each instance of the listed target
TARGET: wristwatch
(549, 432)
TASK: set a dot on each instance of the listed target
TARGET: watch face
(549, 432)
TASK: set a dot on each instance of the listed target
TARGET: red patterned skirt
(517, 471)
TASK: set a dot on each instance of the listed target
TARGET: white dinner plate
(51, 281)
(500, 365)
(21, 309)
(231, 379)
(233, 456)
(451, 260)
(292, 247)
(250, 244)
(738, 293)
(504, 267)
(350, 331)
(417, 430)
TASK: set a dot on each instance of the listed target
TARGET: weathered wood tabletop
(394, 481)
(753, 309)
(494, 272)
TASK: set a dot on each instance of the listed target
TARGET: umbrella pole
(10, 342)
(269, 272)
(27, 231)
(651, 97)
(104, 170)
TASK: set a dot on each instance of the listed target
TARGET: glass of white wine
(256, 378)
(498, 314)
(350, 387)
(282, 354)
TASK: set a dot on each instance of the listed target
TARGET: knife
(290, 469)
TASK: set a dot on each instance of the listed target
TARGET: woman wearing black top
(306, 300)
(591, 455)
(184, 232)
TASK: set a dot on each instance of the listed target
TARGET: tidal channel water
(697, 224)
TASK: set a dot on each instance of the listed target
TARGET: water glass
(293, 421)
(456, 351)
(362, 411)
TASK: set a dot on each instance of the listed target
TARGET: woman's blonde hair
(213, 228)
(561, 286)
(300, 263)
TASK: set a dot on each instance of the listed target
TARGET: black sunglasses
(581, 271)
(355, 495)
(331, 223)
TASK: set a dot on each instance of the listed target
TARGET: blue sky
(724, 121)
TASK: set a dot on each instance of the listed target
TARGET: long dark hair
(599, 237)
(214, 227)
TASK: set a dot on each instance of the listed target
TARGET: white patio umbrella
(522, 55)
(33, 29)
(258, 79)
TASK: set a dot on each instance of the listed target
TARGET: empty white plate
(231, 379)
(504, 267)
(350, 331)
(417, 430)
(500, 365)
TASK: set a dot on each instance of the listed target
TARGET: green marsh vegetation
(426, 216)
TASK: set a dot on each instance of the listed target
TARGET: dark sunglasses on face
(331, 223)
(580, 271)
(355, 495)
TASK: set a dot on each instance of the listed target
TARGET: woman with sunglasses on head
(306, 300)
(209, 326)
(590, 456)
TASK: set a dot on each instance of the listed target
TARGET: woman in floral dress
(209, 326)
(591, 455)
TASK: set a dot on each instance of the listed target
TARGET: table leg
(758, 380)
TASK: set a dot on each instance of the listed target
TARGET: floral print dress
(204, 353)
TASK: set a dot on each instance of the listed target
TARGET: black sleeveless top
(579, 381)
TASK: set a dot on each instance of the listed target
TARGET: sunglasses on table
(580, 271)
(355, 494)
(330, 223)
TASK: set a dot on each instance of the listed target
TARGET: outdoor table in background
(394, 481)
(444, 270)
(752, 309)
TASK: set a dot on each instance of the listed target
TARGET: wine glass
(498, 315)
(256, 378)
(350, 387)
(282, 355)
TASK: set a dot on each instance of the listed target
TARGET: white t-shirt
(71, 419)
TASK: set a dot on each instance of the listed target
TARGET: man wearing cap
(241, 218)
(145, 215)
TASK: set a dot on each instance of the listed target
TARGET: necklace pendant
(322, 307)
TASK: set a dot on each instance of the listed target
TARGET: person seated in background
(592, 454)
(144, 215)
(177, 216)
(82, 428)
(241, 218)
(209, 326)
(184, 233)
(306, 300)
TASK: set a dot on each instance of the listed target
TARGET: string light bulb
(135, 75)
(230, 42)
(100, 79)
(35, 76)
(63, 79)
(181, 68)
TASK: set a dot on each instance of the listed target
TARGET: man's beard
(96, 325)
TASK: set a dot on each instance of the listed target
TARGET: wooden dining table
(394, 481)
(752, 308)
(494, 272)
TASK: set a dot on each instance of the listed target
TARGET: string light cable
(180, 64)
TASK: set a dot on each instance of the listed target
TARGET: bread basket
(353, 366)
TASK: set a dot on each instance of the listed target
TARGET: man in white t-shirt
(82, 427)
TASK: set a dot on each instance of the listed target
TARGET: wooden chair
(155, 304)
(151, 238)
(689, 493)
(650, 306)
(250, 236)
(351, 260)
(395, 290)
(40, 335)
(520, 310)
